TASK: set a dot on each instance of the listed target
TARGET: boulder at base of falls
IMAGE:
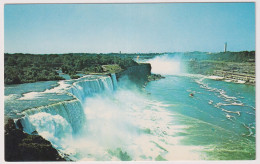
(20, 146)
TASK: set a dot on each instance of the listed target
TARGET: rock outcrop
(137, 74)
(154, 77)
(20, 146)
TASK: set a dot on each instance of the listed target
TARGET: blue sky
(104, 28)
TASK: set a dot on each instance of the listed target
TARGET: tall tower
(225, 47)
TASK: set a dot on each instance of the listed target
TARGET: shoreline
(236, 72)
(228, 80)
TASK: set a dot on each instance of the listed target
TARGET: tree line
(242, 56)
(26, 68)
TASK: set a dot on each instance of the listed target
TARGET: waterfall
(71, 111)
(67, 113)
(62, 121)
(52, 127)
(87, 88)
(114, 80)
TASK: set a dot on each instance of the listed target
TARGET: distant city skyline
(129, 28)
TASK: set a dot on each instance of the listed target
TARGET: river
(99, 118)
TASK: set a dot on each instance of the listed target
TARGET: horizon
(129, 28)
(122, 53)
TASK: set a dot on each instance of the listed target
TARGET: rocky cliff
(137, 74)
(20, 146)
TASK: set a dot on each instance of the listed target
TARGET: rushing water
(100, 118)
(220, 116)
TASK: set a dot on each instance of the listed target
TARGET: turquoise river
(105, 119)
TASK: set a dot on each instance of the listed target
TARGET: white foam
(241, 81)
(215, 77)
(125, 119)
(115, 122)
(31, 96)
(220, 91)
(59, 89)
(228, 80)
(10, 97)
(210, 102)
(223, 93)
(52, 127)
(233, 103)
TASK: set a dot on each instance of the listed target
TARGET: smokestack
(225, 47)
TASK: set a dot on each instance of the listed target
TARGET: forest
(26, 68)
(242, 56)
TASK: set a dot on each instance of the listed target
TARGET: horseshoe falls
(109, 118)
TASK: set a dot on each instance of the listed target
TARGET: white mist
(166, 65)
